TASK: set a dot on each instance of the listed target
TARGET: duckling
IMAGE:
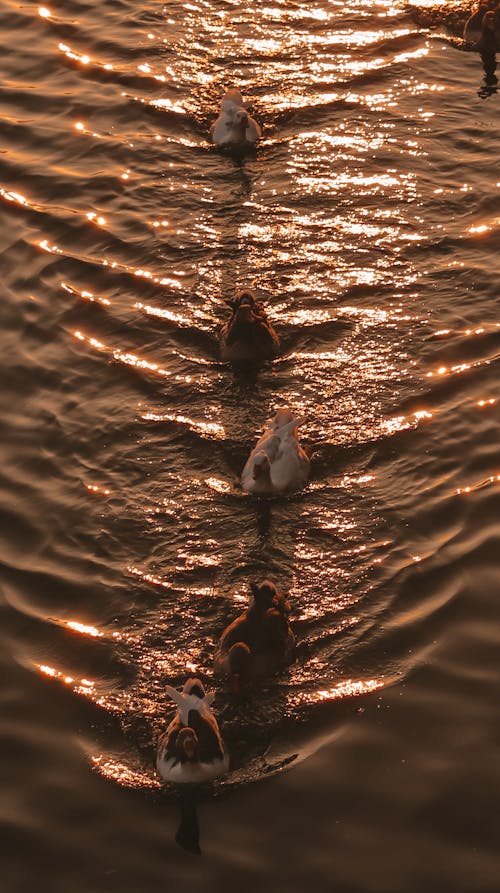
(192, 750)
(277, 463)
(248, 336)
(235, 126)
(259, 642)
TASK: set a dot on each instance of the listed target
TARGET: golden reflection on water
(481, 228)
(95, 218)
(348, 688)
(127, 359)
(489, 402)
(94, 488)
(212, 429)
(84, 628)
(124, 775)
(161, 313)
(170, 106)
(152, 579)
(456, 369)
(402, 423)
(219, 485)
(51, 249)
(11, 196)
(192, 560)
(485, 482)
(85, 295)
(71, 54)
(81, 686)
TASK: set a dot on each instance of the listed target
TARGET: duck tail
(176, 696)
(291, 427)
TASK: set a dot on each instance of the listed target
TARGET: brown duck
(248, 336)
(259, 642)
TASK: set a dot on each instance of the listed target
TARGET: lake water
(368, 220)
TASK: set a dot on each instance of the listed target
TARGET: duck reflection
(482, 33)
(488, 46)
(188, 832)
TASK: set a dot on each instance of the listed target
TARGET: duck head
(264, 594)
(245, 297)
(244, 314)
(241, 118)
(236, 122)
(186, 745)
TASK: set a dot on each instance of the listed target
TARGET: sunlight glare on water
(365, 222)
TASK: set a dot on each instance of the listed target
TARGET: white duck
(277, 463)
(234, 126)
(191, 750)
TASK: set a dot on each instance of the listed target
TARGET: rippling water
(368, 221)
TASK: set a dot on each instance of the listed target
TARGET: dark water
(368, 220)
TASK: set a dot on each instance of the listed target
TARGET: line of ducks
(260, 641)
(255, 645)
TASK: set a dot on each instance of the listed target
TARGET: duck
(191, 750)
(259, 642)
(235, 126)
(248, 336)
(277, 463)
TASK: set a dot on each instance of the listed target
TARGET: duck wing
(272, 447)
(237, 631)
(167, 742)
(253, 131)
(290, 468)
(209, 739)
(264, 335)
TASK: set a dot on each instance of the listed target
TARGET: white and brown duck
(192, 751)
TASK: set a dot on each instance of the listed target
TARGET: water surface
(367, 220)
